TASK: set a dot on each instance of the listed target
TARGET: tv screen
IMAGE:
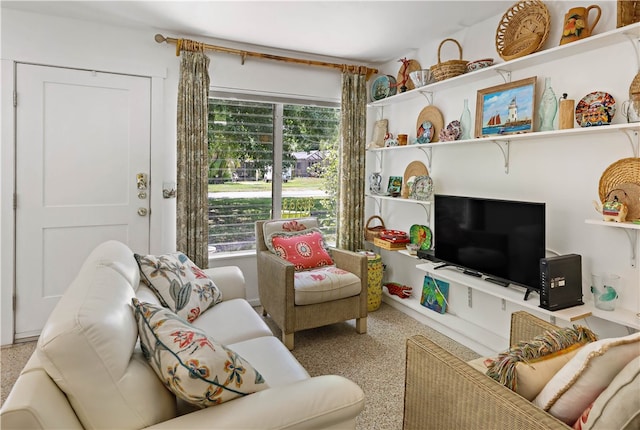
(501, 239)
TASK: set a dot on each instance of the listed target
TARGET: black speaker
(561, 282)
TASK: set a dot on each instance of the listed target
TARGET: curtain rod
(189, 45)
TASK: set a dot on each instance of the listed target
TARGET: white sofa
(88, 370)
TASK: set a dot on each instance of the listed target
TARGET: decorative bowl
(421, 78)
(412, 248)
(479, 64)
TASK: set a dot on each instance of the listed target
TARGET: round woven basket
(622, 179)
(521, 47)
(450, 68)
(523, 20)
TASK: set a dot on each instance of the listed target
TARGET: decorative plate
(432, 115)
(422, 188)
(403, 73)
(382, 87)
(421, 235)
(596, 108)
(452, 132)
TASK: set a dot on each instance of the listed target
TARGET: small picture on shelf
(434, 294)
(395, 185)
(506, 108)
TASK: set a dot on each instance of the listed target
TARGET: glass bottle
(548, 108)
(465, 121)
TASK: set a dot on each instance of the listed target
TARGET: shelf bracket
(470, 297)
(635, 41)
(428, 152)
(378, 203)
(632, 135)
(429, 96)
(633, 241)
(505, 153)
(506, 75)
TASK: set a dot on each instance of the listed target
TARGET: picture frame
(506, 109)
(395, 185)
(435, 293)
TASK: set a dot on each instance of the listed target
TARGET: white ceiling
(363, 31)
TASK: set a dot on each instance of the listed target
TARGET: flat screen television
(500, 240)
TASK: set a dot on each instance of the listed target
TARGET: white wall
(48, 40)
(563, 173)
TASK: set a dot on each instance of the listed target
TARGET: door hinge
(14, 300)
(15, 201)
(15, 98)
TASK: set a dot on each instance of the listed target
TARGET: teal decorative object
(548, 108)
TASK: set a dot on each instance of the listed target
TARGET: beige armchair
(285, 303)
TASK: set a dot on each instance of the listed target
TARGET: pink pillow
(304, 249)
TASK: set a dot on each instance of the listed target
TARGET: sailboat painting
(506, 109)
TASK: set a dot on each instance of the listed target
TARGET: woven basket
(626, 170)
(628, 12)
(522, 21)
(371, 233)
(451, 68)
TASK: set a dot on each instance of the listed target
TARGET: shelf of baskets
(630, 228)
(629, 33)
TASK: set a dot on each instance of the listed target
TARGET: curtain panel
(193, 158)
(352, 162)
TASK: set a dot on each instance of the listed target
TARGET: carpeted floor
(374, 360)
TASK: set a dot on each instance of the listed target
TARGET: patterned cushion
(193, 366)
(304, 249)
(286, 225)
(580, 381)
(179, 284)
(526, 367)
(325, 284)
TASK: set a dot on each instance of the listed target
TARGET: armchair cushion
(286, 225)
(325, 284)
(304, 249)
(192, 365)
(526, 367)
(580, 381)
(179, 284)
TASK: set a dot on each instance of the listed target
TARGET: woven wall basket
(523, 29)
(451, 68)
(628, 12)
(622, 179)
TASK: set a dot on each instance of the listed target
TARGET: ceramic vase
(548, 108)
(465, 121)
(577, 25)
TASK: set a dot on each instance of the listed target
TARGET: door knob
(143, 211)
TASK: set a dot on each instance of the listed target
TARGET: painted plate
(422, 188)
(596, 108)
(431, 116)
(382, 87)
(421, 235)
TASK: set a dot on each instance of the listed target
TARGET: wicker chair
(443, 392)
(276, 289)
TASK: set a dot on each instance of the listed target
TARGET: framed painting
(395, 185)
(506, 109)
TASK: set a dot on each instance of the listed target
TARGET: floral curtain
(193, 158)
(352, 160)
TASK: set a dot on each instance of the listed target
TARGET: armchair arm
(275, 287)
(525, 326)
(351, 262)
(328, 401)
(444, 392)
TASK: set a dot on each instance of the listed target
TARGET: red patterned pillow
(304, 249)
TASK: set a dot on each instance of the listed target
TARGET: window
(269, 160)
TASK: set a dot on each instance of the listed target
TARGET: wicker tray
(628, 12)
(622, 179)
(434, 116)
(411, 66)
(451, 68)
(415, 168)
(389, 246)
(525, 19)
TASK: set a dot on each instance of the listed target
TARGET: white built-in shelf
(619, 316)
(629, 33)
(468, 329)
(399, 199)
(512, 293)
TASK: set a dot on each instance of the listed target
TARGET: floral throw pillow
(304, 249)
(179, 284)
(191, 365)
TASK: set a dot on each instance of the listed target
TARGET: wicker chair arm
(444, 392)
(350, 261)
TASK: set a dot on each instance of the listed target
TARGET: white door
(82, 138)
